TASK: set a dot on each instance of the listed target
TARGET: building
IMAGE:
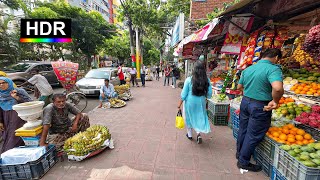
(200, 8)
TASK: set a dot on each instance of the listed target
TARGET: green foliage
(14, 4)
(117, 46)
(151, 54)
(215, 13)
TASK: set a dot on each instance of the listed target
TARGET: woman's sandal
(190, 138)
(199, 139)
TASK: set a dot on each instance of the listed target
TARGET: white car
(94, 79)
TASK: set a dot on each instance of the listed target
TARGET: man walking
(121, 75)
(143, 75)
(167, 72)
(263, 88)
(133, 74)
(158, 72)
(42, 85)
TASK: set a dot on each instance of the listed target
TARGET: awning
(238, 6)
(198, 36)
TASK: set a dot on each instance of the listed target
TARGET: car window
(48, 67)
(20, 67)
(114, 73)
(38, 67)
(96, 74)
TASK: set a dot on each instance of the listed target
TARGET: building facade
(200, 8)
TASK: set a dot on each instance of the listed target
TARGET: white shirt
(133, 71)
(143, 70)
(42, 84)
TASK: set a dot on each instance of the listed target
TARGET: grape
(312, 42)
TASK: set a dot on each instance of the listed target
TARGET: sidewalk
(148, 146)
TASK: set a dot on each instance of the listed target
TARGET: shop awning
(198, 36)
(238, 6)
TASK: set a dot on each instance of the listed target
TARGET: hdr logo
(45, 31)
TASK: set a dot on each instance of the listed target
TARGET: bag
(179, 120)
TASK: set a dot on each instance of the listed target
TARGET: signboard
(233, 42)
(178, 30)
(66, 73)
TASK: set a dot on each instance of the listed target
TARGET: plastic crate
(235, 132)
(276, 175)
(235, 120)
(31, 141)
(315, 133)
(29, 133)
(291, 168)
(230, 122)
(31, 170)
(264, 161)
(218, 120)
(218, 108)
(267, 146)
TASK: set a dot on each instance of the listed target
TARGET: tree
(118, 46)
(14, 4)
(151, 54)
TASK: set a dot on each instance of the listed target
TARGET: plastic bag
(179, 120)
(22, 155)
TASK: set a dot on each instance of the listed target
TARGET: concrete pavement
(148, 146)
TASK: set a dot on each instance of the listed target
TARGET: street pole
(137, 53)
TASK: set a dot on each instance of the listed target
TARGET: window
(48, 67)
(114, 73)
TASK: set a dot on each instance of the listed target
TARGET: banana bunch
(300, 55)
(122, 88)
(114, 102)
(88, 141)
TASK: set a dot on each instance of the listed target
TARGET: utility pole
(138, 53)
(133, 58)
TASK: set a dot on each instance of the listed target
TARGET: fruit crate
(218, 108)
(230, 122)
(291, 168)
(264, 161)
(235, 132)
(267, 145)
(31, 170)
(315, 133)
(218, 120)
(235, 120)
(276, 175)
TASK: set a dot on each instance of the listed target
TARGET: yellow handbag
(179, 120)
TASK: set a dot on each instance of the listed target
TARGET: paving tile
(209, 175)
(163, 174)
(128, 156)
(183, 174)
(142, 171)
(185, 161)
(147, 158)
(151, 146)
(120, 171)
(166, 159)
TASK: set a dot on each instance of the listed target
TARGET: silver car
(94, 79)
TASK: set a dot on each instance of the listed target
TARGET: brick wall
(200, 9)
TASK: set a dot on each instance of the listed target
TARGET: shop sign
(233, 41)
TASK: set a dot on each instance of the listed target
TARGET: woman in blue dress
(195, 91)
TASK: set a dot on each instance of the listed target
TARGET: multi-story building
(200, 8)
(116, 5)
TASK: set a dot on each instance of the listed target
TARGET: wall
(200, 8)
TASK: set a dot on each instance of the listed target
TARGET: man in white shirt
(133, 74)
(106, 92)
(42, 85)
(143, 75)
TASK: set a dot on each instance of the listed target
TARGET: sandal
(190, 138)
(199, 139)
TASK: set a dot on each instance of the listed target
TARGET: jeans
(143, 79)
(253, 125)
(106, 98)
(174, 81)
(158, 76)
(165, 80)
(134, 79)
(122, 82)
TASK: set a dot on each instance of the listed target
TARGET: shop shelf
(264, 161)
(291, 169)
(276, 175)
(31, 170)
(315, 133)
(218, 120)
(218, 108)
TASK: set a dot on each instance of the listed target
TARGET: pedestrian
(133, 74)
(175, 76)
(167, 72)
(196, 90)
(42, 85)
(106, 92)
(3, 74)
(143, 74)
(121, 75)
(263, 88)
(158, 72)
(57, 126)
(9, 119)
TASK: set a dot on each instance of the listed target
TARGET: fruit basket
(264, 161)
(117, 103)
(267, 146)
(276, 175)
(31, 170)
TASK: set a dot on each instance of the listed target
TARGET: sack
(179, 120)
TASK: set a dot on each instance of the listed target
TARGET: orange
(300, 88)
(311, 141)
(299, 137)
(295, 129)
(290, 126)
(303, 84)
(285, 131)
(283, 137)
(297, 91)
(305, 142)
(316, 94)
(288, 143)
(291, 140)
(305, 89)
(303, 92)
(300, 132)
(275, 134)
(291, 136)
(309, 93)
(281, 141)
(299, 142)
(276, 139)
(307, 136)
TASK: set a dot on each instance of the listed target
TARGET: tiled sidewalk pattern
(148, 146)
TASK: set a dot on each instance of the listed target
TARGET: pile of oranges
(284, 100)
(312, 89)
(289, 135)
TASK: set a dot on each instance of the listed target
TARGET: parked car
(94, 79)
(21, 72)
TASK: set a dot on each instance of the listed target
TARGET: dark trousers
(253, 125)
(122, 82)
(143, 79)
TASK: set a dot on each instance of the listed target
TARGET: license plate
(87, 92)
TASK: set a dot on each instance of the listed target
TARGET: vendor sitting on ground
(57, 126)
(106, 92)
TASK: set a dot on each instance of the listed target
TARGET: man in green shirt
(262, 86)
